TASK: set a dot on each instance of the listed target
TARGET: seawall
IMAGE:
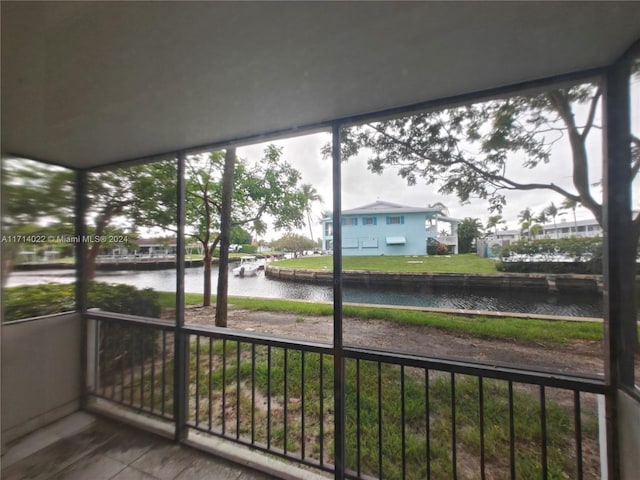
(553, 283)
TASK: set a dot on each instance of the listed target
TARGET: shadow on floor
(112, 451)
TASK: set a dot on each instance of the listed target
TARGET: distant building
(491, 245)
(385, 228)
(579, 228)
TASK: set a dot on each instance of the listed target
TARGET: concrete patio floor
(109, 450)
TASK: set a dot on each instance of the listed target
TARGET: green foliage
(293, 242)
(581, 254)
(239, 236)
(547, 249)
(37, 300)
(436, 248)
(124, 299)
(247, 248)
(468, 230)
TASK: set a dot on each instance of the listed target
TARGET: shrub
(442, 249)
(36, 300)
(249, 249)
(549, 249)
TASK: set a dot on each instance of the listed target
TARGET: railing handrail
(225, 333)
(547, 378)
(499, 372)
(98, 314)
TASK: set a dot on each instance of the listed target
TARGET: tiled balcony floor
(111, 451)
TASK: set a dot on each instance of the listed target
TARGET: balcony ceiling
(87, 84)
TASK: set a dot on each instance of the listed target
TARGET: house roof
(388, 207)
(92, 83)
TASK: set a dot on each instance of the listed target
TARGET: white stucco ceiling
(86, 84)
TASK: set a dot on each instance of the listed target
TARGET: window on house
(350, 221)
(395, 220)
(369, 221)
(328, 229)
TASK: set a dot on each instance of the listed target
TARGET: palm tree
(525, 217)
(311, 196)
(542, 218)
(571, 204)
(552, 211)
(493, 222)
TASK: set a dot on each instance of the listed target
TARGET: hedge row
(574, 249)
(36, 300)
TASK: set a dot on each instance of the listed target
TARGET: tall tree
(267, 189)
(552, 211)
(525, 217)
(493, 222)
(292, 242)
(571, 204)
(477, 150)
(311, 196)
(468, 230)
(225, 236)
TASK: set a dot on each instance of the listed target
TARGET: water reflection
(582, 305)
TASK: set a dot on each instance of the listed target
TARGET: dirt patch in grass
(578, 357)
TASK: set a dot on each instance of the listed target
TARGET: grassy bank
(467, 263)
(506, 328)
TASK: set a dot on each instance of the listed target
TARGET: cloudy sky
(360, 186)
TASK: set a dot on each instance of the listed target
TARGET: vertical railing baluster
(302, 393)
(321, 409)
(131, 365)
(454, 446)
(238, 390)
(164, 361)
(512, 435)
(577, 420)
(380, 420)
(483, 474)
(197, 415)
(427, 426)
(153, 370)
(142, 352)
(96, 357)
(210, 381)
(113, 381)
(269, 396)
(224, 385)
(122, 375)
(253, 393)
(543, 432)
(358, 426)
(403, 423)
(285, 399)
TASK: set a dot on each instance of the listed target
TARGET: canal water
(579, 305)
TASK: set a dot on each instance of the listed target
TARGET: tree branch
(592, 113)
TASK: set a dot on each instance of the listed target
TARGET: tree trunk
(225, 235)
(206, 301)
(93, 248)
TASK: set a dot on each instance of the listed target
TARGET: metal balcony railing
(406, 416)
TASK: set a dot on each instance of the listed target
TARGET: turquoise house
(385, 228)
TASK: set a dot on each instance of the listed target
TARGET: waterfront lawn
(505, 328)
(465, 263)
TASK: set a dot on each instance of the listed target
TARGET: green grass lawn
(506, 328)
(467, 263)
